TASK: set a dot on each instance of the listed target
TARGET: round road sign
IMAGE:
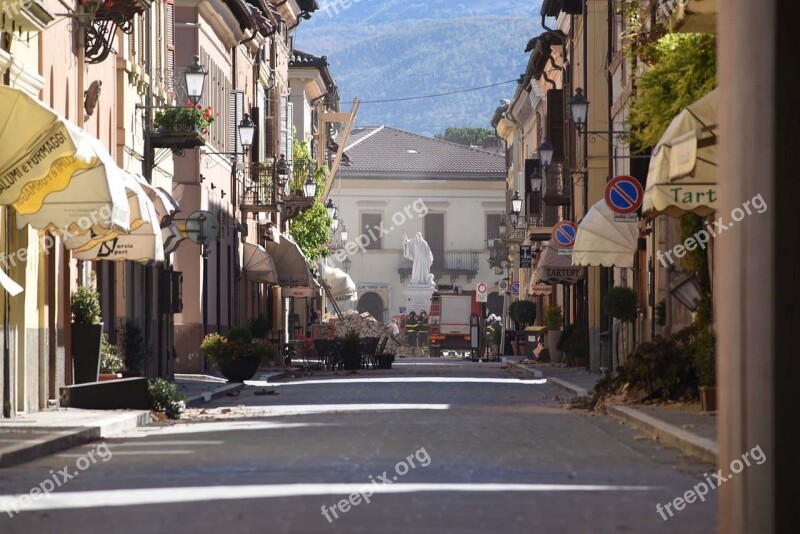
(624, 195)
(564, 234)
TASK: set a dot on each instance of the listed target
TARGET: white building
(399, 183)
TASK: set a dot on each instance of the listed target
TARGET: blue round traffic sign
(624, 195)
(515, 287)
(564, 234)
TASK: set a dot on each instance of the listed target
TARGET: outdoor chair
(366, 349)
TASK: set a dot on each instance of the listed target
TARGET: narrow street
(452, 446)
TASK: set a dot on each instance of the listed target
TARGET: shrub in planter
(350, 355)
(572, 342)
(164, 398)
(110, 362)
(260, 326)
(87, 332)
(237, 355)
(553, 317)
(621, 303)
(523, 312)
(662, 369)
(705, 362)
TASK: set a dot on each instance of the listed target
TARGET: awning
(166, 206)
(683, 168)
(53, 173)
(143, 244)
(172, 237)
(291, 264)
(603, 241)
(340, 286)
(258, 264)
(9, 285)
(555, 268)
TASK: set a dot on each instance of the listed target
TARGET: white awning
(53, 173)
(172, 237)
(555, 268)
(603, 241)
(291, 264)
(143, 244)
(258, 264)
(682, 177)
(340, 285)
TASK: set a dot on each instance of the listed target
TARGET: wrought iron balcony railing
(557, 185)
(454, 263)
(258, 192)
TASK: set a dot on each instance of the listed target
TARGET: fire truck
(449, 321)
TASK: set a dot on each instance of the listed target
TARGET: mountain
(394, 49)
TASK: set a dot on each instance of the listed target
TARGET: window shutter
(170, 34)
(140, 52)
(555, 122)
(284, 123)
(289, 133)
(493, 225)
(235, 113)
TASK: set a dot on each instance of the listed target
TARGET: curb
(208, 396)
(691, 444)
(536, 372)
(572, 388)
(60, 439)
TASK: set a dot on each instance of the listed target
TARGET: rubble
(367, 326)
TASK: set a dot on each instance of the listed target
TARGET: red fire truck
(449, 321)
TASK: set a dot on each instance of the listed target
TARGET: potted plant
(523, 313)
(87, 334)
(705, 363)
(350, 354)
(553, 320)
(110, 362)
(620, 303)
(237, 356)
(188, 118)
(572, 343)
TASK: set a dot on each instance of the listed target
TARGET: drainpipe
(7, 328)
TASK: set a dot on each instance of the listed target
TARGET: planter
(350, 357)
(241, 369)
(708, 398)
(385, 361)
(109, 376)
(86, 342)
(552, 342)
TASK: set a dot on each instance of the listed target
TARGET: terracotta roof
(376, 150)
(304, 59)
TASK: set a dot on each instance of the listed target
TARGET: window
(493, 225)
(370, 227)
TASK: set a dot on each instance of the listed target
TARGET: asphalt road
(456, 447)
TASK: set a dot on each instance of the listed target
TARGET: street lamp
(247, 129)
(344, 233)
(546, 151)
(335, 222)
(310, 187)
(516, 204)
(195, 76)
(331, 207)
(685, 287)
(502, 227)
(346, 263)
(579, 109)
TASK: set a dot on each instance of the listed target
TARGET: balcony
(258, 192)
(106, 17)
(542, 219)
(557, 186)
(456, 263)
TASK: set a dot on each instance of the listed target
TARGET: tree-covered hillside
(395, 49)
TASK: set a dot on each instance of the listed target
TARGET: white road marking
(132, 453)
(198, 427)
(162, 496)
(115, 445)
(401, 380)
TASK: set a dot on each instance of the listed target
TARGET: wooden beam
(342, 142)
(334, 117)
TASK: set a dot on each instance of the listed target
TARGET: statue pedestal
(418, 298)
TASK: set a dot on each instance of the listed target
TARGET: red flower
(200, 106)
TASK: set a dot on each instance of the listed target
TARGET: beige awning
(683, 168)
(603, 241)
(258, 264)
(172, 237)
(53, 173)
(144, 243)
(340, 286)
(555, 268)
(291, 264)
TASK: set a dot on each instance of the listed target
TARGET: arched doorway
(372, 303)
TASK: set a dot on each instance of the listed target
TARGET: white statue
(418, 251)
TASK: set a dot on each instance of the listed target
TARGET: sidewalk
(35, 435)
(678, 425)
